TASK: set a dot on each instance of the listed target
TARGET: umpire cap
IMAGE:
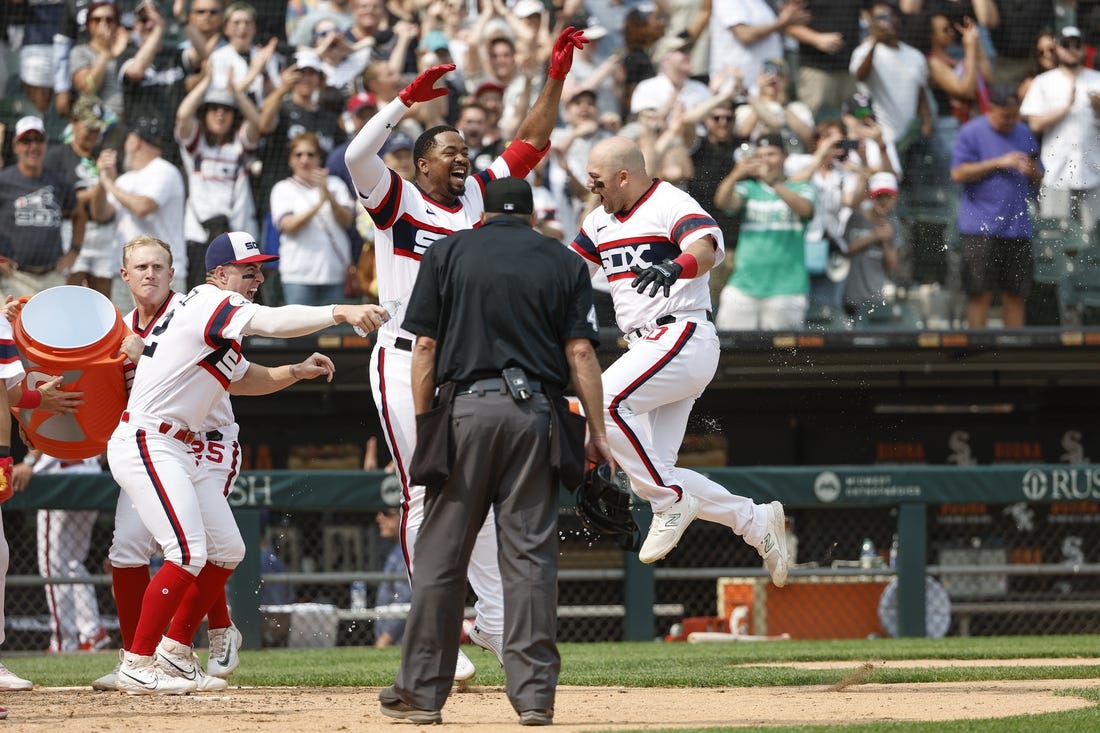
(509, 196)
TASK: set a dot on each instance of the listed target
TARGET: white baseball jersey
(407, 221)
(180, 379)
(221, 416)
(218, 183)
(659, 226)
(11, 366)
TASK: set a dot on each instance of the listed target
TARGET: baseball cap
(396, 141)
(527, 8)
(308, 60)
(775, 66)
(27, 125)
(359, 100)
(582, 93)
(221, 97)
(666, 45)
(859, 106)
(488, 86)
(90, 111)
(1070, 31)
(234, 248)
(772, 140)
(509, 196)
(435, 40)
(882, 182)
(150, 129)
(1002, 95)
(594, 30)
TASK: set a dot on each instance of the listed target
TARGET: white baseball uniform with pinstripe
(672, 353)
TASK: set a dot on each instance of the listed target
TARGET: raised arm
(364, 165)
(536, 127)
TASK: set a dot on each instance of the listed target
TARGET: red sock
(197, 601)
(217, 616)
(129, 589)
(163, 597)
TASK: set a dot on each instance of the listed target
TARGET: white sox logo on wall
(390, 490)
(827, 487)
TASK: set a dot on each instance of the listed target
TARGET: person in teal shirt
(769, 285)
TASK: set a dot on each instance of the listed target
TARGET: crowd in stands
(816, 132)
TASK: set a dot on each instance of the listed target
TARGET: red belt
(164, 428)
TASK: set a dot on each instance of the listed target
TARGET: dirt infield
(486, 710)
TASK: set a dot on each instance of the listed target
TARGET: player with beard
(443, 199)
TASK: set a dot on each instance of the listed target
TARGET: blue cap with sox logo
(234, 248)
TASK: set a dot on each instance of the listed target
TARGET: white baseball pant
(648, 395)
(391, 383)
(63, 541)
(219, 463)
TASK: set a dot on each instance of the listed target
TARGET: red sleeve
(522, 157)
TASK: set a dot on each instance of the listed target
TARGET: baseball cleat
(394, 707)
(464, 668)
(668, 527)
(109, 681)
(489, 642)
(11, 682)
(225, 645)
(140, 675)
(773, 548)
(179, 660)
(99, 641)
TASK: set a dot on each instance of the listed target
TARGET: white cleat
(773, 548)
(225, 645)
(109, 681)
(11, 682)
(179, 660)
(667, 528)
(140, 675)
(464, 668)
(489, 642)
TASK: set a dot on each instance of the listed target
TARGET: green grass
(635, 664)
(653, 664)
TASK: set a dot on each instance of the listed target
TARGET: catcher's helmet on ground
(604, 503)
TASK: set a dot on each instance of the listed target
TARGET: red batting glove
(423, 88)
(561, 58)
(6, 489)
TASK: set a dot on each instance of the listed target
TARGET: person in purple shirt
(996, 159)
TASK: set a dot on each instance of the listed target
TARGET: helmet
(604, 505)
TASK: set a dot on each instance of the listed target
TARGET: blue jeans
(306, 294)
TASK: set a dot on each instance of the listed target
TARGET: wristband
(5, 451)
(30, 399)
(689, 263)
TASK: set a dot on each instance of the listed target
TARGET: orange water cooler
(74, 332)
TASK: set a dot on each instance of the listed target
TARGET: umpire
(503, 317)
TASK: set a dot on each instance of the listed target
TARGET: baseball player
(64, 537)
(11, 371)
(147, 270)
(408, 217)
(655, 243)
(186, 366)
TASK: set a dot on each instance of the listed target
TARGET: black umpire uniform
(500, 299)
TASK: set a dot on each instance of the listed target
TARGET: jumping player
(650, 235)
(408, 217)
(192, 358)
